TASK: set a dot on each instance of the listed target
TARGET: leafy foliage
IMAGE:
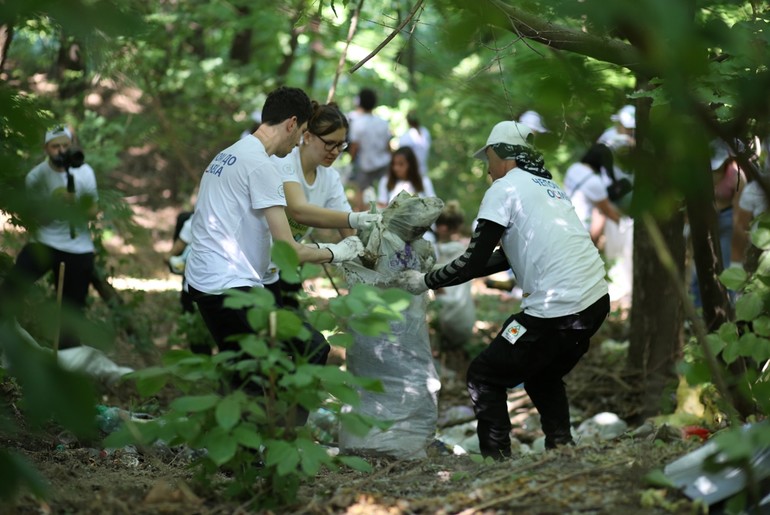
(247, 408)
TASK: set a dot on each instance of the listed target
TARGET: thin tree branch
(343, 56)
(389, 38)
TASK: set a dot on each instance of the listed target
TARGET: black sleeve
(478, 260)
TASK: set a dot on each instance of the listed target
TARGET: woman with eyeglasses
(314, 193)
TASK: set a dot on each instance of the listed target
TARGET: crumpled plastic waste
(699, 481)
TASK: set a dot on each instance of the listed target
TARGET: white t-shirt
(753, 199)
(42, 181)
(230, 237)
(327, 191)
(585, 188)
(384, 196)
(419, 141)
(555, 262)
(373, 137)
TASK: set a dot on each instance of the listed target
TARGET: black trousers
(224, 322)
(540, 358)
(32, 263)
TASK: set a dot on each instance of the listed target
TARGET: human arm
(608, 209)
(317, 216)
(478, 260)
(346, 250)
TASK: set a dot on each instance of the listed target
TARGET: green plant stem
(700, 329)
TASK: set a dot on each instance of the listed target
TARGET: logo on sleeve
(281, 193)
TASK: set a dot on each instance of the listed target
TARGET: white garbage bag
(401, 360)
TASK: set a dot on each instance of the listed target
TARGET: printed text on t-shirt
(552, 188)
(219, 162)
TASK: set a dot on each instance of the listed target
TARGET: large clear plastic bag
(401, 360)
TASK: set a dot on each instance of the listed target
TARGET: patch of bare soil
(594, 477)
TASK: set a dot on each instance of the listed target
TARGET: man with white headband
(565, 298)
(57, 181)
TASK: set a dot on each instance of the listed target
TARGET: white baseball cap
(512, 133)
(626, 116)
(533, 120)
(57, 132)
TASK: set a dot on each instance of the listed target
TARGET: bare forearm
(317, 216)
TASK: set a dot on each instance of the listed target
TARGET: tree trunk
(656, 310)
(240, 50)
(656, 316)
(6, 36)
(70, 68)
(707, 255)
(288, 59)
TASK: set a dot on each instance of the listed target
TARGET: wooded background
(154, 88)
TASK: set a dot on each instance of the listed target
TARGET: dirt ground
(593, 477)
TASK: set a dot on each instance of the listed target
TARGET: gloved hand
(362, 219)
(346, 250)
(412, 281)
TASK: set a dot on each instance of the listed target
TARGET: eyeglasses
(331, 145)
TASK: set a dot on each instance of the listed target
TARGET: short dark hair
(326, 119)
(367, 99)
(283, 103)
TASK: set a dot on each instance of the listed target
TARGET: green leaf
(187, 428)
(281, 455)
(312, 456)
(728, 332)
(247, 436)
(194, 403)
(220, 445)
(733, 278)
(289, 325)
(369, 326)
(148, 386)
(761, 326)
(760, 236)
(344, 340)
(748, 307)
(658, 478)
(285, 257)
(716, 343)
(228, 411)
(254, 346)
(321, 320)
(15, 473)
(355, 463)
(344, 393)
(696, 373)
(755, 347)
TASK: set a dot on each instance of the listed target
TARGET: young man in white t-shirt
(561, 273)
(57, 241)
(238, 214)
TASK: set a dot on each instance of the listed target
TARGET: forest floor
(593, 477)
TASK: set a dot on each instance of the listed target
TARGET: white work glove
(346, 250)
(363, 220)
(412, 281)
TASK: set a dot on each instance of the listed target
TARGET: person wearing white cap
(565, 298)
(729, 182)
(57, 241)
(534, 121)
